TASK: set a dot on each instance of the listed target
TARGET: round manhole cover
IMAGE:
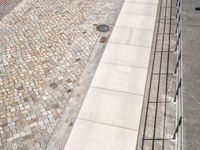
(102, 28)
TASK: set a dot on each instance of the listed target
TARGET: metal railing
(178, 98)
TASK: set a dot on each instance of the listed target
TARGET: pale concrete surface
(110, 114)
(112, 107)
(132, 36)
(151, 2)
(136, 21)
(120, 78)
(139, 9)
(126, 55)
(88, 135)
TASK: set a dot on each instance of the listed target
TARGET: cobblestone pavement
(44, 47)
(7, 5)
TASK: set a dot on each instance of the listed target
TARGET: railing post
(177, 90)
(177, 42)
(178, 23)
(177, 127)
(177, 63)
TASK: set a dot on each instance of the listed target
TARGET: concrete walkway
(110, 115)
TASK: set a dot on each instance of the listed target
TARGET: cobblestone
(44, 47)
(6, 6)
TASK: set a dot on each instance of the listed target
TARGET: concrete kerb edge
(68, 118)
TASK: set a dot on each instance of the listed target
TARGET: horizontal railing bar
(164, 74)
(160, 102)
(157, 139)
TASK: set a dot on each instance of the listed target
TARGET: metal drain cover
(102, 28)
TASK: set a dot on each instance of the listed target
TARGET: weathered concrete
(191, 75)
(159, 93)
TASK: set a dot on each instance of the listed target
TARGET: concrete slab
(143, 1)
(126, 55)
(120, 78)
(136, 21)
(93, 136)
(111, 107)
(139, 9)
(131, 36)
(110, 115)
